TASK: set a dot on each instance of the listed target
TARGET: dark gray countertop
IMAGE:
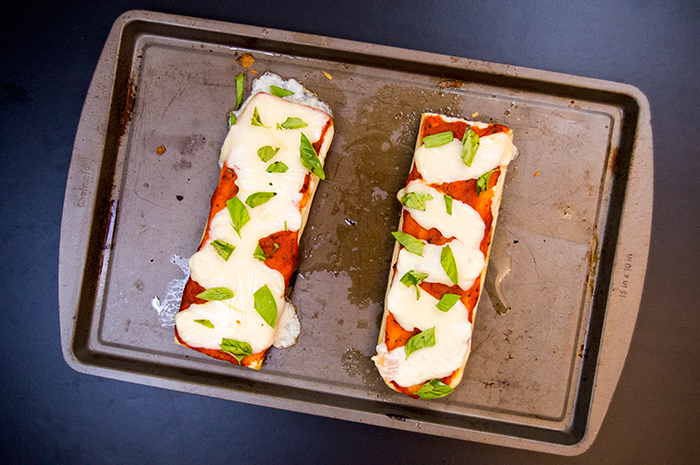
(50, 413)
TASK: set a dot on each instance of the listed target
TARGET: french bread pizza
(233, 306)
(450, 205)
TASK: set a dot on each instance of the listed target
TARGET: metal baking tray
(575, 225)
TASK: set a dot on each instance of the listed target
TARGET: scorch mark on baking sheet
(168, 307)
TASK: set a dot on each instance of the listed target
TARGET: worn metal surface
(574, 225)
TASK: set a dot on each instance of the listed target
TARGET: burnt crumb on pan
(179, 197)
(397, 417)
(246, 60)
(445, 84)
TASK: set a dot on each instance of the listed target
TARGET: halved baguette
(434, 371)
(265, 247)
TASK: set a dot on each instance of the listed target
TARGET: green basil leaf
(280, 92)
(309, 158)
(255, 120)
(277, 167)
(265, 305)
(236, 348)
(416, 200)
(216, 293)
(447, 260)
(414, 278)
(224, 249)
(259, 253)
(267, 152)
(205, 323)
(259, 198)
(434, 389)
(436, 140)
(483, 182)
(239, 90)
(470, 143)
(239, 214)
(409, 242)
(421, 340)
(231, 119)
(447, 301)
(448, 204)
(293, 123)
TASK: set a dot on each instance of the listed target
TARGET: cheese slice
(454, 221)
(266, 176)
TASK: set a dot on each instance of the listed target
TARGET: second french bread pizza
(450, 205)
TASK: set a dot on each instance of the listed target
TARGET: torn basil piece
(482, 183)
(416, 200)
(280, 92)
(239, 90)
(293, 123)
(255, 120)
(205, 323)
(447, 260)
(265, 305)
(447, 301)
(420, 341)
(409, 242)
(236, 348)
(266, 152)
(470, 144)
(224, 249)
(277, 167)
(309, 157)
(259, 198)
(239, 214)
(413, 278)
(436, 140)
(216, 293)
(448, 204)
(259, 253)
(434, 389)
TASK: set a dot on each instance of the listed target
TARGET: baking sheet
(574, 225)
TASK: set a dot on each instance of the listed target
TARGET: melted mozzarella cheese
(236, 318)
(453, 330)
(470, 263)
(444, 163)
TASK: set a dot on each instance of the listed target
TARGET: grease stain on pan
(499, 266)
(358, 365)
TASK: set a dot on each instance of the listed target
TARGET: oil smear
(168, 307)
(500, 262)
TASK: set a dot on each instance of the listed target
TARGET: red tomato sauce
(434, 124)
